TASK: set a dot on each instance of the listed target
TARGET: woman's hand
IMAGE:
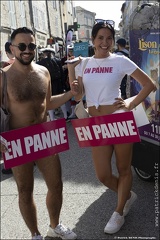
(73, 64)
(75, 89)
(121, 104)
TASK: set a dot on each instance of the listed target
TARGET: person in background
(29, 99)
(121, 47)
(10, 61)
(103, 97)
(40, 56)
(54, 67)
(67, 85)
(72, 101)
(9, 55)
(121, 50)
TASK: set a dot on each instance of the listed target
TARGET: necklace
(100, 62)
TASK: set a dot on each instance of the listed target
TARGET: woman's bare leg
(123, 153)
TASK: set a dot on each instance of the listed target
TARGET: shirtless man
(29, 99)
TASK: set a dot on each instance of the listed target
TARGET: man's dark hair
(21, 30)
(7, 45)
(122, 42)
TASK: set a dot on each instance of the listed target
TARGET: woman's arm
(147, 87)
(72, 77)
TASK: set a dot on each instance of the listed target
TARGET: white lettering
(8, 156)
(113, 129)
(131, 128)
(96, 130)
(105, 132)
(79, 134)
(37, 143)
(46, 140)
(55, 137)
(17, 149)
(123, 128)
(62, 135)
(28, 143)
(86, 133)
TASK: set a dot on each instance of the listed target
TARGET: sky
(107, 10)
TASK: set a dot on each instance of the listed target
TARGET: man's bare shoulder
(13, 68)
(5, 69)
(40, 67)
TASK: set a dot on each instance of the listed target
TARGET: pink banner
(35, 142)
(106, 130)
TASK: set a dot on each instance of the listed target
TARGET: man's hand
(3, 144)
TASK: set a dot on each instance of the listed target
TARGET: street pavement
(87, 204)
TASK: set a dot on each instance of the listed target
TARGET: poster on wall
(144, 51)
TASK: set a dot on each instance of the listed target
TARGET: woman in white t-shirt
(100, 79)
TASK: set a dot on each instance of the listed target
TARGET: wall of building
(46, 18)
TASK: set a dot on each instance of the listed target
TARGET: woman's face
(103, 43)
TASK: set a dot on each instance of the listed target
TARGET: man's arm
(58, 100)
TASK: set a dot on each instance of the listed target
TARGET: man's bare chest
(27, 88)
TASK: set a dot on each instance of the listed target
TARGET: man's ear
(11, 48)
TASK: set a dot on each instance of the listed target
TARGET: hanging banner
(34, 142)
(144, 51)
(69, 36)
(116, 128)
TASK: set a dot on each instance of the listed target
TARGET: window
(12, 14)
(87, 34)
(42, 14)
(56, 25)
(85, 20)
(22, 13)
(35, 17)
(69, 7)
(55, 4)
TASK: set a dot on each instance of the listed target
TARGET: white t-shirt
(102, 78)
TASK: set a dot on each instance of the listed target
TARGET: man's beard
(24, 62)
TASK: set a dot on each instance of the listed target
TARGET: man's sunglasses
(22, 46)
(101, 21)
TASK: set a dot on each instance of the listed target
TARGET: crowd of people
(50, 91)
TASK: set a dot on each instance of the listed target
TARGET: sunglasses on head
(22, 46)
(101, 21)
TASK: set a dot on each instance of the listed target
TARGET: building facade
(51, 19)
(85, 20)
(48, 19)
(128, 8)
